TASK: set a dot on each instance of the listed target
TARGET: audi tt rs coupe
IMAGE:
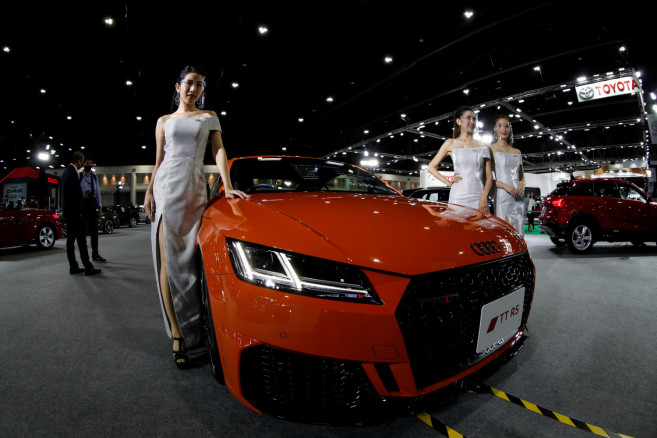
(329, 297)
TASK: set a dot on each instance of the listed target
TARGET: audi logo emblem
(486, 248)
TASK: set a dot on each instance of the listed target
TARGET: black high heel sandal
(180, 356)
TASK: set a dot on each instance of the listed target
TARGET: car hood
(388, 233)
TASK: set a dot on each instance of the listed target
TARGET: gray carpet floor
(88, 356)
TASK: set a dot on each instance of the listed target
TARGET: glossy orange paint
(390, 238)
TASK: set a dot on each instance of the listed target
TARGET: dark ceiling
(314, 50)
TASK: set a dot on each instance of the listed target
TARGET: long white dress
(469, 164)
(180, 196)
(507, 170)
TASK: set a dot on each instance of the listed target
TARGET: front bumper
(322, 361)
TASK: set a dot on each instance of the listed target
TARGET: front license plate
(500, 321)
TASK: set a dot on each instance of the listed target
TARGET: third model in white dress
(507, 170)
(469, 165)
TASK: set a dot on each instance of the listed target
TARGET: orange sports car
(329, 297)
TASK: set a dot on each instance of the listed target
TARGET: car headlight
(300, 274)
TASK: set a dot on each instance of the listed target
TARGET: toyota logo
(486, 248)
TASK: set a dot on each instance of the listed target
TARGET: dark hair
(509, 140)
(190, 69)
(77, 156)
(88, 157)
(457, 114)
(184, 72)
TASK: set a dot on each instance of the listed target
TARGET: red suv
(579, 213)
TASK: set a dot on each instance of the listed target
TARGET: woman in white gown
(174, 202)
(509, 176)
(473, 175)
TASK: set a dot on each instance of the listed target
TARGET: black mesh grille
(308, 388)
(439, 313)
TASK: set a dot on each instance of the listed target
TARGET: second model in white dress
(469, 164)
(507, 170)
(180, 199)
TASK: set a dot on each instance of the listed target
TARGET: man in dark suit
(72, 209)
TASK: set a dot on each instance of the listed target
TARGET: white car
(143, 217)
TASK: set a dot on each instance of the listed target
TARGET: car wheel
(559, 243)
(108, 228)
(580, 238)
(45, 237)
(211, 339)
(132, 223)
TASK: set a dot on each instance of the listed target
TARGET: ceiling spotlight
(468, 14)
(537, 68)
(143, 146)
(43, 91)
(138, 117)
(128, 83)
(43, 156)
(109, 21)
(621, 49)
(262, 30)
(371, 162)
(387, 59)
(466, 91)
(235, 85)
(300, 119)
(6, 49)
(329, 99)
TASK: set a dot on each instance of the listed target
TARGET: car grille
(439, 313)
(308, 388)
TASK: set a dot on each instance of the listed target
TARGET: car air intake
(308, 388)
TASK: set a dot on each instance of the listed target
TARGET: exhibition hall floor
(88, 356)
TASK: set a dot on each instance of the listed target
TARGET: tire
(580, 238)
(559, 243)
(46, 236)
(132, 222)
(108, 227)
(211, 339)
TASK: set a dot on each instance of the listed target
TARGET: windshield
(293, 174)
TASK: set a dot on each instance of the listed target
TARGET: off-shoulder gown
(507, 170)
(180, 196)
(469, 164)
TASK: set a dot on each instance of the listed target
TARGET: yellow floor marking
(564, 419)
(451, 433)
(532, 407)
(426, 418)
(500, 394)
(597, 430)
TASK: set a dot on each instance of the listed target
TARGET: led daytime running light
(274, 269)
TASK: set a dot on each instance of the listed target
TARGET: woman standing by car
(175, 200)
(509, 176)
(473, 176)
